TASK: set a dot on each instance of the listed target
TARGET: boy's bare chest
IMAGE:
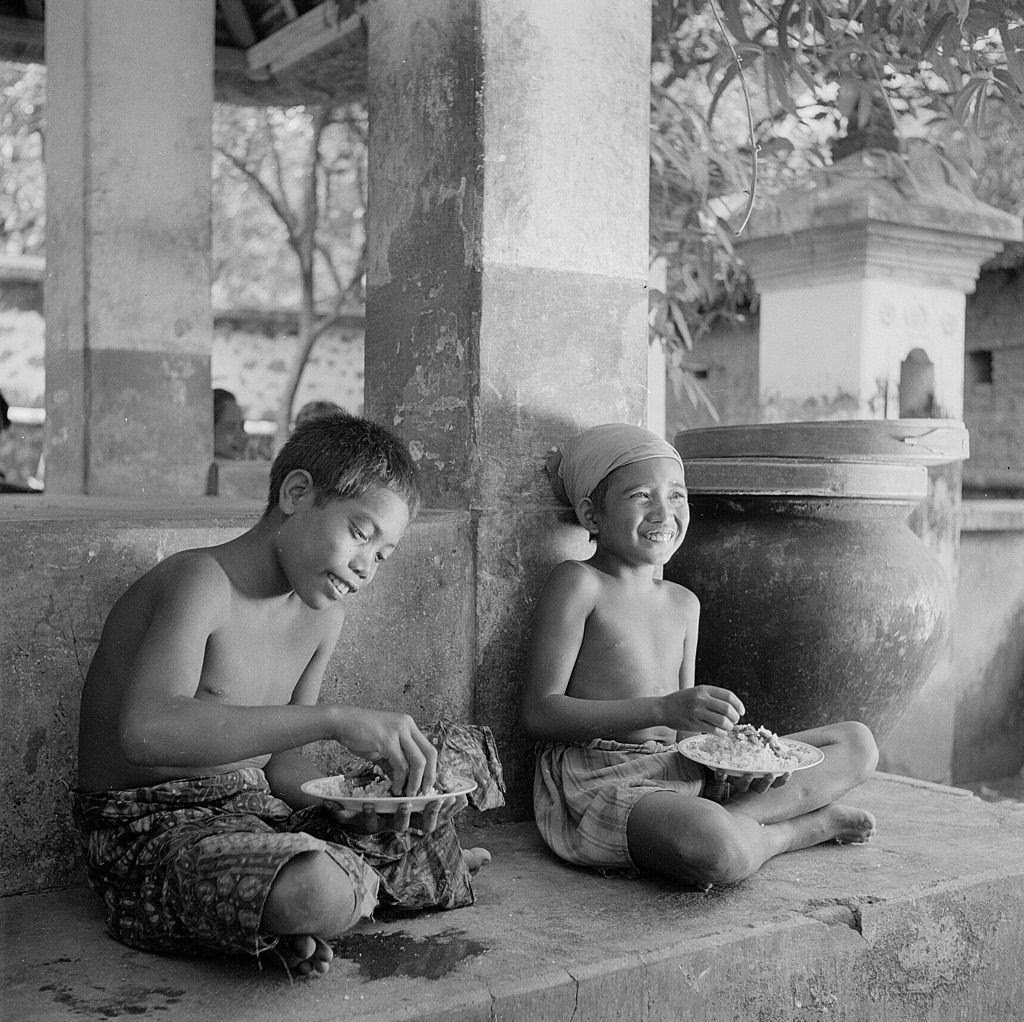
(261, 656)
(631, 630)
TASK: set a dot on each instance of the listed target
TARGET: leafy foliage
(22, 184)
(938, 83)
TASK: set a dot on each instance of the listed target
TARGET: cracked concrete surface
(925, 922)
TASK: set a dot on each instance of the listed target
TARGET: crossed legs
(311, 901)
(703, 842)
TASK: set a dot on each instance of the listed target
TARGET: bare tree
(306, 166)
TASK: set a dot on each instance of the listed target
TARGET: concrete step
(925, 923)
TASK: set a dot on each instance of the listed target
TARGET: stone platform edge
(924, 923)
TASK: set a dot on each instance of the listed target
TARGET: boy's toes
(301, 946)
(476, 858)
(322, 957)
(303, 954)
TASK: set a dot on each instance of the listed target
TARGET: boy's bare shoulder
(201, 563)
(574, 575)
(572, 587)
(186, 572)
(682, 597)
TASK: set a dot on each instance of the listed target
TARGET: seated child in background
(200, 695)
(314, 409)
(229, 436)
(610, 690)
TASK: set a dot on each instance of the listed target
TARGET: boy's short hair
(346, 456)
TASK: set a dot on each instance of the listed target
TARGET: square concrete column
(128, 322)
(507, 280)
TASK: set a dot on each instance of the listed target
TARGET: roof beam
(21, 40)
(236, 17)
(240, 77)
(308, 33)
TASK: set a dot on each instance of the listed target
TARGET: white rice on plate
(748, 748)
(377, 785)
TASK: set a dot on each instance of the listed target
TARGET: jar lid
(905, 441)
(790, 477)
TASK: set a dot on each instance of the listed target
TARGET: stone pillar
(863, 284)
(506, 288)
(128, 322)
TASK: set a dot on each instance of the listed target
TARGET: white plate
(320, 788)
(809, 756)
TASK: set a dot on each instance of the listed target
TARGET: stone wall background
(727, 362)
(253, 352)
(994, 383)
(252, 355)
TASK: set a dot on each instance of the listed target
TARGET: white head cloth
(586, 459)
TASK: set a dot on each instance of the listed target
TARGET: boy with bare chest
(610, 691)
(199, 698)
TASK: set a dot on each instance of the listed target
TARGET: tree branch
(276, 203)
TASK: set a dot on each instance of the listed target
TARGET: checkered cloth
(583, 793)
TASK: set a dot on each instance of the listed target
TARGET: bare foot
(476, 858)
(849, 825)
(302, 953)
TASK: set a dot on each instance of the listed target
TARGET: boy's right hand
(394, 741)
(703, 708)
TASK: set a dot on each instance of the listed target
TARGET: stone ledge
(925, 922)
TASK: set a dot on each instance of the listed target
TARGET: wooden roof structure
(266, 52)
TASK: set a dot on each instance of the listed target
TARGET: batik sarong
(186, 866)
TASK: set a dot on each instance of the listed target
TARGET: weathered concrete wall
(424, 638)
(988, 643)
(408, 643)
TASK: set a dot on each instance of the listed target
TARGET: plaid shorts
(583, 793)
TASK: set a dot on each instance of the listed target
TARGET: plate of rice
(375, 789)
(750, 750)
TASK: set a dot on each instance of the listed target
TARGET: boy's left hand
(740, 783)
(424, 821)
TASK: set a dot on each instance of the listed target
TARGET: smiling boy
(199, 698)
(610, 691)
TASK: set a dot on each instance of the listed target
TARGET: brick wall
(994, 384)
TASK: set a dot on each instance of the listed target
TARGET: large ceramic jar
(818, 603)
